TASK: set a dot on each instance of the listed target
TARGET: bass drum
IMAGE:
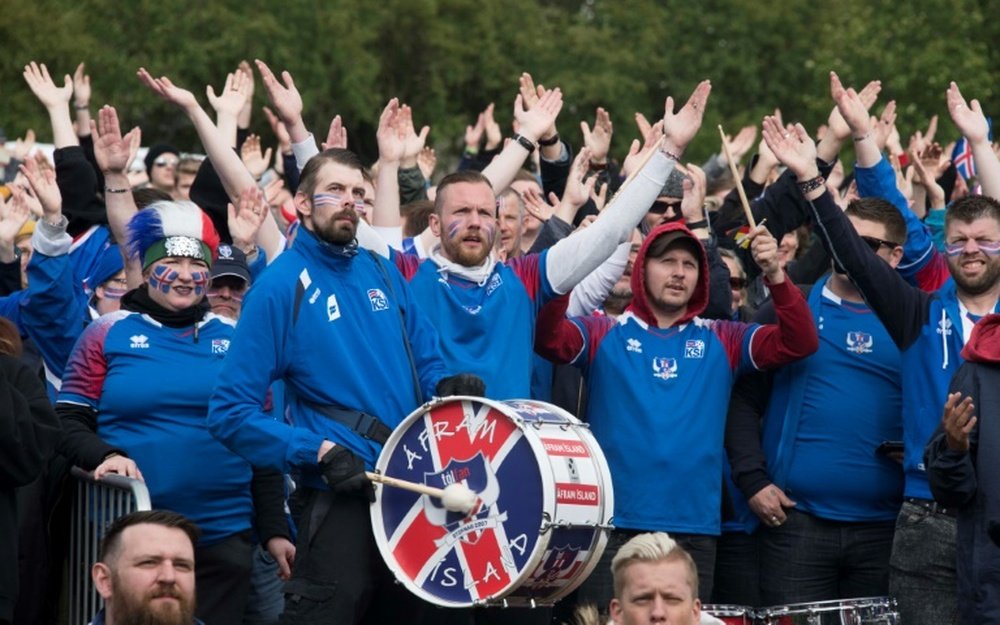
(860, 611)
(543, 508)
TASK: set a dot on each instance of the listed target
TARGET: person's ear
(895, 256)
(434, 223)
(101, 574)
(303, 204)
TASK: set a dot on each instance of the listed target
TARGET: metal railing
(95, 505)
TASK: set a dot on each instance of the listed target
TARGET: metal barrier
(96, 504)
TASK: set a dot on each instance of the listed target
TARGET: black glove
(344, 472)
(461, 384)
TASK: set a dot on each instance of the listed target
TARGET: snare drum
(860, 611)
(731, 614)
(542, 515)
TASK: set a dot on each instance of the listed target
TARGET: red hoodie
(640, 300)
(984, 342)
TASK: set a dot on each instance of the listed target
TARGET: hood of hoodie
(640, 299)
(984, 342)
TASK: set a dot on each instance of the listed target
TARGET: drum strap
(402, 325)
(359, 422)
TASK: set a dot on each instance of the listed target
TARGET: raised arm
(533, 123)
(55, 100)
(972, 124)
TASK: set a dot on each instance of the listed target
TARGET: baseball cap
(231, 262)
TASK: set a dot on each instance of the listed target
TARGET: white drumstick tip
(458, 498)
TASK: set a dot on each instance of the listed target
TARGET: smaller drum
(731, 614)
(860, 611)
(543, 511)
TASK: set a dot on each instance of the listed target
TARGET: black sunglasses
(660, 207)
(876, 243)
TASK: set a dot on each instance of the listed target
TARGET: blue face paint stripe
(453, 228)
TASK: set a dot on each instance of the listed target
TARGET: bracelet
(695, 225)
(670, 155)
(107, 190)
(81, 107)
(471, 151)
(811, 185)
(862, 137)
(598, 166)
(554, 139)
(525, 142)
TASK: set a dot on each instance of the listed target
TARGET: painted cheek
(327, 199)
(112, 293)
(489, 228)
(200, 279)
(163, 278)
(453, 229)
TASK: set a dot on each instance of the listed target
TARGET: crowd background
(447, 58)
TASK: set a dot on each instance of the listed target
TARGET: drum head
(448, 558)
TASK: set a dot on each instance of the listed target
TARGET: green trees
(450, 58)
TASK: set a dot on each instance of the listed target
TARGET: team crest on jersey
(139, 341)
(694, 348)
(944, 327)
(494, 284)
(664, 368)
(220, 346)
(860, 342)
(634, 345)
(332, 308)
(378, 300)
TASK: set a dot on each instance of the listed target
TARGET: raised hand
(43, 182)
(796, 150)
(493, 134)
(13, 215)
(695, 185)
(247, 111)
(599, 194)
(836, 123)
(280, 131)
(741, 143)
(680, 127)
(392, 132)
(474, 134)
(253, 158)
(958, 421)
(41, 84)
(245, 221)
(336, 136)
(537, 120)
(427, 161)
(764, 248)
(852, 108)
(643, 124)
(532, 96)
(883, 127)
(113, 151)
(413, 142)
(971, 121)
(578, 186)
(638, 151)
(23, 147)
(285, 98)
(167, 90)
(536, 206)
(598, 140)
(81, 87)
(235, 95)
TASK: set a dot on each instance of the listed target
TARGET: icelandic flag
(961, 156)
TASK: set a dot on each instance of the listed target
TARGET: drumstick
(739, 183)
(456, 497)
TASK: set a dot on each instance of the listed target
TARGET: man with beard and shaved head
(145, 570)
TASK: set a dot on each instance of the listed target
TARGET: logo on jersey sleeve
(220, 346)
(634, 345)
(860, 342)
(139, 341)
(332, 308)
(378, 300)
(494, 284)
(694, 349)
(664, 368)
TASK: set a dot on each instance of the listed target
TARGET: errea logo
(139, 341)
(633, 345)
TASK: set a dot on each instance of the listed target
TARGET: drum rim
(548, 503)
(827, 605)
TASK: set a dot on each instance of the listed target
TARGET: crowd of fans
(785, 358)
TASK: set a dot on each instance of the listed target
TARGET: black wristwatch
(525, 142)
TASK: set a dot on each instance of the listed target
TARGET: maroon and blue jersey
(488, 328)
(149, 385)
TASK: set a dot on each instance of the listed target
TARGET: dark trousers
(737, 570)
(807, 558)
(222, 579)
(487, 616)
(599, 587)
(339, 575)
(922, 569)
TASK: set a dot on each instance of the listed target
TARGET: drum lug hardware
(532, 601)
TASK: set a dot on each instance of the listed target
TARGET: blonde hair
(651, 547)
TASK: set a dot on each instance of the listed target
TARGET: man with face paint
(135, 394)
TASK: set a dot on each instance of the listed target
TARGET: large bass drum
(543, 509)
